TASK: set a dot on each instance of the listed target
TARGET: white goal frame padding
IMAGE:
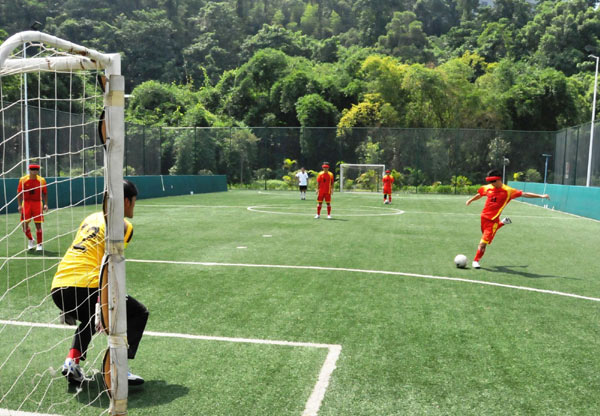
(77, 58)
(347, 165)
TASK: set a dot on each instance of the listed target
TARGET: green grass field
(232, 332)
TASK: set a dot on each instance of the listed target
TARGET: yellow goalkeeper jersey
(80, 266)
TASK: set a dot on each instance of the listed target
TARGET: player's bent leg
(137, 317)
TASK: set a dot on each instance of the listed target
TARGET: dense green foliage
(434, 63)
(501, 65)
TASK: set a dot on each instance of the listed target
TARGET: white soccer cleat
(317, 217)
(30, 245)
(506, 221)
(134, 380)
(39, 247)
(476, 265)
(72, 371)
(329, 217)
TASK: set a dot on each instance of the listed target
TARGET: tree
(405, 38)
(289, 89)
(498, 150)
(539, 99)
(279, 38)
(154, 103)
(240, 150)
(316, 144)
(214, 48)
(148, 49)
(437, 16)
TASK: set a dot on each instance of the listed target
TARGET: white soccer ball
(461, 261)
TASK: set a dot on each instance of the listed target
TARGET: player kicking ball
(498, 196)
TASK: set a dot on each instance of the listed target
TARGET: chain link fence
(254, 156)
(422, 156)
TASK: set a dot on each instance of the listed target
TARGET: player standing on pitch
(498, 196)
(32, 197)
(75, 288)
(302, 182)
(324, 190)
(387, 180)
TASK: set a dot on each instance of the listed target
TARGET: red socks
(319, 209)
(328, 209)
(75, 354)
(28, 234)
(478, 255)
(38, 234)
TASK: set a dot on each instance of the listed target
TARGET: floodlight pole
(589, 171)
(547, 156)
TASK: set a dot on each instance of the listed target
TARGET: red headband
(493, 178)
(325, 166)
(34, 166)
(387, 171)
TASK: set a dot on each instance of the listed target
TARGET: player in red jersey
(324, 189)
(32, 197)
(387, 180)
(498, 196)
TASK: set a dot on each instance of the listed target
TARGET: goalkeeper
(75, 288)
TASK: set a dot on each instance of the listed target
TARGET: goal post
(55, 56)
(361, 177)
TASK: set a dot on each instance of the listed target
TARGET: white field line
(575, 216)
(366, 271)
(396, 211)
(265, 209)
(8, 412)
(342, 269)
(314, 401)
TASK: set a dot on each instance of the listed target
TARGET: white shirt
(302, 178)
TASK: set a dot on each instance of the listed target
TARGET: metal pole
(547, 156)
(589, 171)
(26, 118)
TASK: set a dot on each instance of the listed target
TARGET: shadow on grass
(155, 392)
(519, 271)
(92, 392)
(44, 252)
(151, 393)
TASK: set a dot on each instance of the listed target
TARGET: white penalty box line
(313, 403)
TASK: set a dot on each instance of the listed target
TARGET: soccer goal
(61, 107)
(361, 177)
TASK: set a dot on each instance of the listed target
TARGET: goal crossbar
(80, 56)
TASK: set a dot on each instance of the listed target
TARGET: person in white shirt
(302, 182)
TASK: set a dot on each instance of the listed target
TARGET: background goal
(61, 106)
(361, 177)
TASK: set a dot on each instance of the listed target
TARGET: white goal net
(61, 107)
(361, 177)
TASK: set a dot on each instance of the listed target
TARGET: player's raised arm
(532, 195)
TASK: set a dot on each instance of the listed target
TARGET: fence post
(576, 157)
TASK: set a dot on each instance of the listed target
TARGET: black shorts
(302, 187)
